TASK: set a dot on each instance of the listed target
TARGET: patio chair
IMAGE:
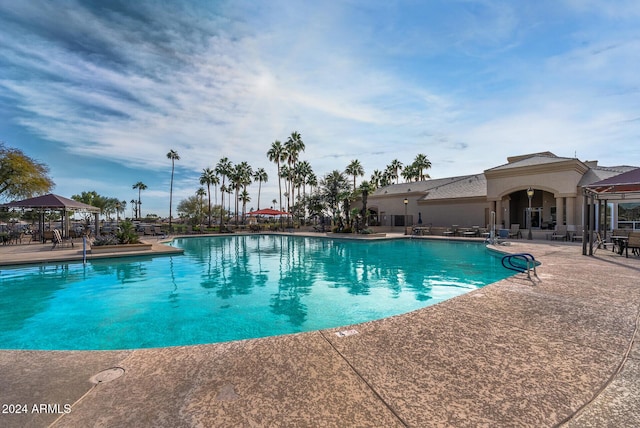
(633, 242)
(560, 233)
(515, 232)
(572, 234)
(59, 240)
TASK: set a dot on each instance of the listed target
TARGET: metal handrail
(530, 263)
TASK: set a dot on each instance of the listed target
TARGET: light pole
(530, 195)
(406, 201)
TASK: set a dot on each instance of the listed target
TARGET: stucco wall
(464, 214)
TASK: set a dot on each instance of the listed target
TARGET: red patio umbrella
(268, 211)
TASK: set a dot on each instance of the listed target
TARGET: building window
(629, 215)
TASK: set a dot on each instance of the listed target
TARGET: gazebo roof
(621, 186)
(52, 202)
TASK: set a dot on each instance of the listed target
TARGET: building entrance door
(536, 216)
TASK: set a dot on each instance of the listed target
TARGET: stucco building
(469, 200)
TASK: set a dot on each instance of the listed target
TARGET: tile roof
(530, 160)
(465, 186)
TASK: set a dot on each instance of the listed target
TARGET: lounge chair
(515, 232)
(58, 240)
(451, 231)
(560, 233)
(474, 231)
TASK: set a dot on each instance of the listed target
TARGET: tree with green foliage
(354, 169)
(208, 177)
(223, 169)
(420, 163)
(140, 186)
(20, 176)
(335, 189)
(261, 177)
(365, 188)
(277, 154)
(173, 155)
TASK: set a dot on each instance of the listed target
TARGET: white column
(559, 211)
(571, 216)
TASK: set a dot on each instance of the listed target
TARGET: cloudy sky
(101, 90)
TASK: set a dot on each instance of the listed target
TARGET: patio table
(619, 243)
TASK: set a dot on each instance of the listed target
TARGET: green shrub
(127, 233)
(104, 240)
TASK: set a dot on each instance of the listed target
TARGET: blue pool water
(232, 287)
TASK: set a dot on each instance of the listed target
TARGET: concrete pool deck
(561, 352)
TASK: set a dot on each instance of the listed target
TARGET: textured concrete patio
(514, 353)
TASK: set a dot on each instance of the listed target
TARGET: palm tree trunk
(209, 195)
(259, 188)
(171, 194)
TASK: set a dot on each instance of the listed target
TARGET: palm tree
(420, 163)
(376, 178)
(260, 176)
(140, 186)
(287, 174)
(293, 146)
(304, 171)
(223, 168)
(355, 169)
(335, 190)
(134, 205)
(365, 188)
(410, 173)
(173, 155)
(200, 194)
(244, 197)
(208, 177)
(312, 181)
(277, 154)
(395, 168)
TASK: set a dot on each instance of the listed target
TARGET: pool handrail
(529, 260)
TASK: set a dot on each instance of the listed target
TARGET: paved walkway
(514, 353)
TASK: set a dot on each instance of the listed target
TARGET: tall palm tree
(395, 166)
(365, 188)
(304, 171)
(140, 186)
(355, 169)
(277, 154)
(293, 146)
(223, 168)
(207, 177)
(420, 163)
(260, 176)
(410, 172)
(200, 194)
(286, 173)
(376, 178)
(173, 155)
(244, 197)
(312, 181)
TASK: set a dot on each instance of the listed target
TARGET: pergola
(51, 202)
(625, 186)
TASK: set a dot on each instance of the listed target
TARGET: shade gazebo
(625, 186)
(51, 202)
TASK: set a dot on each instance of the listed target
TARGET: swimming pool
(232, 287)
